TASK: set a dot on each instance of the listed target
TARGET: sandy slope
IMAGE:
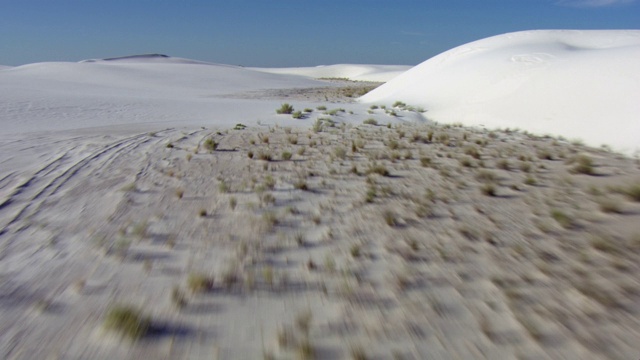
(579, 84)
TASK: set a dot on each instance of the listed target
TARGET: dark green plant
(285, 109)
(199, 283)
(128, 321)
(210, 145)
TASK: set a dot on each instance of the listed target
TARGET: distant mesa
(130, 57)
(148, 58)
(142, 56)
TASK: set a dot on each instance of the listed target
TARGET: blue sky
(276, 33)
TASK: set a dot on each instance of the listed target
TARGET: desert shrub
(466, 161)
(285, 109)
(178, 298)
(270, 218)
(370, 121)
(308, 110)
(443, 138)
(530, 180)
(297, 114)
(371, 195)
(545, 154)
(355, 250)
(265, 155)
(128, 321)
(199, 283)
(223, 187)
(503, 164)
(425, 161)
(472, 151)
(488, 189)
(486, 176)
(584, 165)
(318, 126)
(210, 145)
(286, 155)
(179, 193)
(399, 104)
(306, 350)
(333, 112)
(321, 108)
(378, 169)
(239, 127)
(301, 185)
(340, 152)
(269, 182)
(430, 136)
(610, 205)
(390, 218)
(604, 244)
(562, 218)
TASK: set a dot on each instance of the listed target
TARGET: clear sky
(279, 33)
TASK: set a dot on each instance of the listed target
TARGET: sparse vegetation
(210, 145)
(127, 321)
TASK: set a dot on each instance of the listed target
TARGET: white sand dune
(138, 89)
(578, 84)
(147, 89)
(377, 73)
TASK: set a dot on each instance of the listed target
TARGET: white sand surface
(582, 84)
(124, 180)
(139, 89)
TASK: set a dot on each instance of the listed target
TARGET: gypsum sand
(415, 241)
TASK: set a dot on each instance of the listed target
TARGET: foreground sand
(413, 242)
